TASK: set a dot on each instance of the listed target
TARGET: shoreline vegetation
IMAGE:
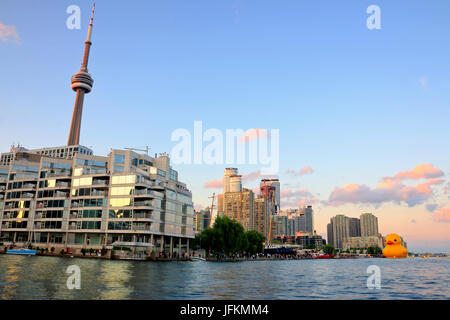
(226, 241)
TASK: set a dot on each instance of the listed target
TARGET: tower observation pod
(81, 83)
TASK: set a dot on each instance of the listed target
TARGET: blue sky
(354, 104)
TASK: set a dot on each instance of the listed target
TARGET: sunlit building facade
(261, 220)
(369, 225)
(87, 201)
(239, 206)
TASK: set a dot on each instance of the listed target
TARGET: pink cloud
(442, 215)
(215, 184)
(447, 188)
(254, 134)
(256, 175)
(303, 171)
(198, 206)
(422, 171)
(297, 198)
(252, 176)
(390, 190)
(8, 33)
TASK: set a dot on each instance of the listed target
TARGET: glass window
(118, 168)
(78, 172)
(124, 179)
(119, 213)
(118, 158)
(121, 191)
(120, 202)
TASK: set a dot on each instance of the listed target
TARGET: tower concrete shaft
(81, 83)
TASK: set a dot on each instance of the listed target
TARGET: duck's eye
(395, 240)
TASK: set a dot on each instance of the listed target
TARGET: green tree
(328, 249)
(226, 236)
(255, 242)
(230, 236)
(377, 250)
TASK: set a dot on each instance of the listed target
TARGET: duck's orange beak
(389, 242)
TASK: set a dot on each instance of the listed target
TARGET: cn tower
(81, 83)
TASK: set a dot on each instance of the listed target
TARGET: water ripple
(45, 278)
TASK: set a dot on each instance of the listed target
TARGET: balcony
(143, 204)
(59, 194)
(140, 228)
(38, 227)
(62, 184)
(99, 182)
(59, 174)
(27, 195)
(142, 216)
(10, 217)
(5, 227)
(25, 177)
(143, 192)
(98, 171)
(145, 181)
(99, 193)
(11, 206)
(29, 186)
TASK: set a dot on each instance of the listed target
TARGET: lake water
(45, 278)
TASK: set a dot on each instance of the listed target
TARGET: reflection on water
(115, 278)
(11, 278)
(45, 278)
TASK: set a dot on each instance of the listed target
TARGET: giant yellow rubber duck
(394, 248)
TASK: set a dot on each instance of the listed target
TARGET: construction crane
(212, 207)
(271, 215)
(210, 214)
(135, 149)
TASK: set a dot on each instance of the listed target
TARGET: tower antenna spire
(81, 83)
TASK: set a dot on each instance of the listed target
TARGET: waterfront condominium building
(354, 227)
(67, 198)
(307, 214)
(330, 234)
(340, 230)
(281, 222)
(363, 242)
(202, 219)
(274, 186)
(301, 220)
(239, 206)
(226, 178)
(369, 225)
(86, 201)
(261, 220)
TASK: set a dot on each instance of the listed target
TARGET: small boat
(324, 256)
(198, 259)
(24, 252)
